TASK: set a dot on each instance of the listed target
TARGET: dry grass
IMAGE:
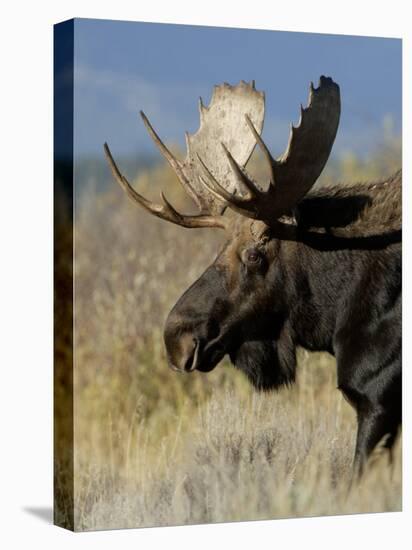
(156, 448)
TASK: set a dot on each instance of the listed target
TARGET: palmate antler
(297, 170)
(224, 121)
(230, 127)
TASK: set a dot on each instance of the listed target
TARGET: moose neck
(321, 283)
(315, 283)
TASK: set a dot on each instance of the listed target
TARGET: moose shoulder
(318, 269)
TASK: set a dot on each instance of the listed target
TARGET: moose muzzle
(193, 330)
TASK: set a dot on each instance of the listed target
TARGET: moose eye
(252, 256)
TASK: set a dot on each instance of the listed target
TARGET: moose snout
(183, 350)
(182, 343)
(192, 328)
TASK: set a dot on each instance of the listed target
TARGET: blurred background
(122, 67)
(153, 447)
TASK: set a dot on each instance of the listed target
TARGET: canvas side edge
(63, 275)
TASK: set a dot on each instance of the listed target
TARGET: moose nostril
(183, 351)
(187, 366)
(192, 359)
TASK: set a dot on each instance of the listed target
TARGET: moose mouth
(205, 358)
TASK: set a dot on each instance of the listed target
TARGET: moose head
(239, 306)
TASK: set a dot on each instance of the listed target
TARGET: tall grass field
(153, 447)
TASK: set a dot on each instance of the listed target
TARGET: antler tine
(170, 207)
(246, 206)
(240, 175)
(263, 146)
(216, 189)
(166, 211)
(174, 163)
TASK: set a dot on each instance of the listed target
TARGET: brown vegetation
(156, 448)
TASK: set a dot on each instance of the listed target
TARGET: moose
(316, 268)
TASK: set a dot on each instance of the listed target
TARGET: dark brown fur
(327, 278)
(318, 269)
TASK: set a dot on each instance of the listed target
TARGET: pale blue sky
(122, 67)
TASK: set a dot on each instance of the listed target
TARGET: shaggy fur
(326, 278)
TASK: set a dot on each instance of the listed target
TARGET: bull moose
(320, 269)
